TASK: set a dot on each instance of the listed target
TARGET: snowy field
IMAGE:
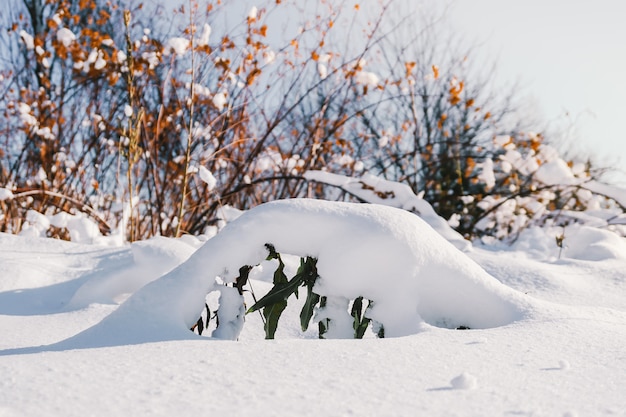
(91, 329)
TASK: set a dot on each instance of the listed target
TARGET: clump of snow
(269, 56)
(25, 114)
(36, 224)
(366, 78)
(121, 57)
(486, 173)
(81, 228)
(65, 36)
(28, 40)
(464, 381)
(206, 34)
(555, 172)
(322, 70)
(219, 101)
(5, 194)
(176, 46)
(252, 14)
(207, 177)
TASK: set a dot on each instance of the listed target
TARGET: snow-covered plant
(315, 307)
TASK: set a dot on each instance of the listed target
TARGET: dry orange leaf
(409, 66)
(435, 71)
(252, 76)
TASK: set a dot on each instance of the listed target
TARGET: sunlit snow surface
(552, 344)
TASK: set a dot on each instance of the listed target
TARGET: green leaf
(279, 274)
(360, 322)
(242, 279)
(272, 252)
(322, 327)
(272, 314)
(200, 326)
(309, 306)
(277, 294)
(357, 308)
(323, 324)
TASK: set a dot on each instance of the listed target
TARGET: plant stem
(130, 133)
(181, 211)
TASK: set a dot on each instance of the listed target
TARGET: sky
(569, 56)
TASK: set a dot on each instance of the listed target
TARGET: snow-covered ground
(547, 337)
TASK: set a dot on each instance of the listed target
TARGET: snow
(25, 114)
(204, 37)
(75, 341)
(555, 172)
(322, 70)
(618, 194)
(5, 194)
(377, 190)
(28, 40)
(219, 101)
(252, 14)
(65, 36)
(176, 46)
(81, 228)
(366, 78)
(207, 177)
(486, 173)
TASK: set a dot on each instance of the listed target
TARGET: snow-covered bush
(527, 183)
(131, 123)
(151, 132)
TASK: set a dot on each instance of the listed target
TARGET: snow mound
(150, 259)
(592, 244)
(414, 277)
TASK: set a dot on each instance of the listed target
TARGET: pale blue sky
(570, 56)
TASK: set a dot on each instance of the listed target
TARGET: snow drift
(413, 275)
